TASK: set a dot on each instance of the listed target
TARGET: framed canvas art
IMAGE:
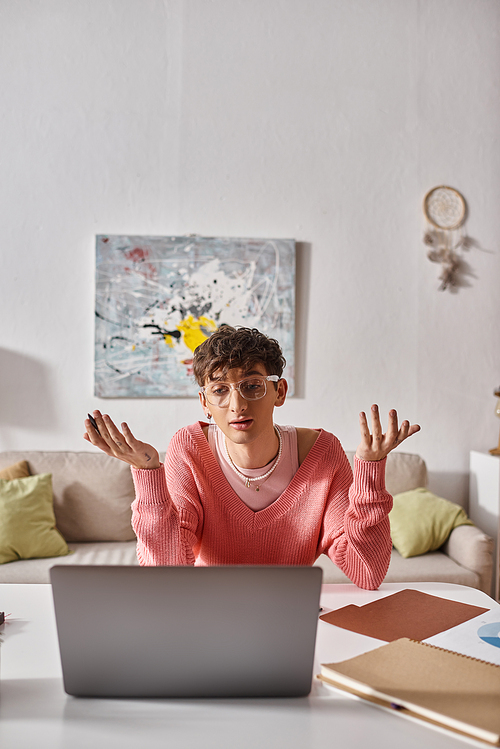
(158, 298)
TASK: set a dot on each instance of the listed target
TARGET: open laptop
(128, 631)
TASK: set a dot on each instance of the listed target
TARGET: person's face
(241, 420)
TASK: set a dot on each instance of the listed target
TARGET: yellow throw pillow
(27, 522)
(16, 471)
(421, 522)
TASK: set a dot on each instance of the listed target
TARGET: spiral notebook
(422, 681)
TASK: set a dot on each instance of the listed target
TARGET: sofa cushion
(435, 566)
(432, 567)
(92, 493)
(421, 521)
(38, 570)
(27, 522)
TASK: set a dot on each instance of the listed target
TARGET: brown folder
(420, 680)
(407, 613)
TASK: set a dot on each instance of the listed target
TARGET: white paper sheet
(478, 638)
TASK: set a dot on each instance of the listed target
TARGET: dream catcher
(445, 211)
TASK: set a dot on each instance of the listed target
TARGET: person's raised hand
(122, 445)
(376, 445)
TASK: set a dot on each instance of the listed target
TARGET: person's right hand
(122, 445)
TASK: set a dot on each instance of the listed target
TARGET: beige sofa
(93, 494)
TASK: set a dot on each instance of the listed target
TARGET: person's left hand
(376, 446)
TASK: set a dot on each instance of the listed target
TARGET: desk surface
(36, 712)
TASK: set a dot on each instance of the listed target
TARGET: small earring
(209, 416)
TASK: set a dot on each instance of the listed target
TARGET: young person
(244, 490)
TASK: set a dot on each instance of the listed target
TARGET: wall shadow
(26, 399)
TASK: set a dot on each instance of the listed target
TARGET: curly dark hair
(230, 348)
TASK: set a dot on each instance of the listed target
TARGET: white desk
(36, 713)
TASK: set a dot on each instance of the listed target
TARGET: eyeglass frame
(236, 386)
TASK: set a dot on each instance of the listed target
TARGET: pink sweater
(186, 513)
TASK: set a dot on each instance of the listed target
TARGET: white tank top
(271, 488)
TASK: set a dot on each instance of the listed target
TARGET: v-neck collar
(234, 504)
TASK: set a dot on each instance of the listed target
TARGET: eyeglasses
(251, 389)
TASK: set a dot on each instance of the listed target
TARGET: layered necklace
(246, 479)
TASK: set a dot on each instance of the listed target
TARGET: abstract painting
(158, 298)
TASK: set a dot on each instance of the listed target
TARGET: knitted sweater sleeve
(356, 531)
(167, 531)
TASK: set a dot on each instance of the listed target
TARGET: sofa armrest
(468, 546)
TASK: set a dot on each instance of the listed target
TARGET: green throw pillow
(27, 522)
(421, 522)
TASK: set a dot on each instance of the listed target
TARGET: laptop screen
(128, 631)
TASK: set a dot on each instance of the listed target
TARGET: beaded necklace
(246, 479)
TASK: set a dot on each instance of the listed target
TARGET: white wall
(323, 120)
